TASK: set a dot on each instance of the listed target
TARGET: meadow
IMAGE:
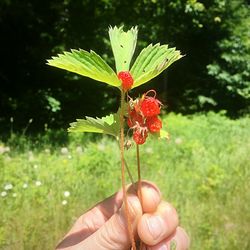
(47, 181)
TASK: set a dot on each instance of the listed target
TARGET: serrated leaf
(152, 61)
(105, 125)
(86, 63)
(123, 46)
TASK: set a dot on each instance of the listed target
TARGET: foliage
(123, 45)
(86, 64)
(231, 67)
(211, 33)
(203, 170)
(106, 125)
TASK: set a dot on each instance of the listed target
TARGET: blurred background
(45, 174)
(214, 75)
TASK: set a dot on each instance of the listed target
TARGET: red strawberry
(150, 106)
(127, 80)
(139, 136)
(153, 124)
(134, 118)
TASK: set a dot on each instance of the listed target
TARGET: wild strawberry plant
(140, 116)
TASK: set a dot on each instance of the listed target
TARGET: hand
(103, 227)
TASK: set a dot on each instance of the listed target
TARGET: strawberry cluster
(143, 117)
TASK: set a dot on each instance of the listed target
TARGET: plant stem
(139, 172)
(129, 172)
(139, 189)
(125, 200)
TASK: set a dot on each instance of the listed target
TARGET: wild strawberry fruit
(139, 136)
(134, 119)
(143, 116)
(127, 80)
(153, 124)
(150, 106)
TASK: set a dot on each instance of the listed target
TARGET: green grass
(203, 170)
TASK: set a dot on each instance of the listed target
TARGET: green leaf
(86, 63)
(163, 134)
(152, 61)
(105, 125)
(123, 46)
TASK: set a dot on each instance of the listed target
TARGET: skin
(103, 227)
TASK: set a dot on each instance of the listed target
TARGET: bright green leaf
(105, 125)
(163, 134)
(88, 64)
(123, 46)
(152, 61)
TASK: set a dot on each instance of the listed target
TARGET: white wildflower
(38, 183)
(25, 185)
(64, 202)
(35, 166)
(66, 193)
(8, 186)
(64, 151)
(4, 193)
(101, 147)
(79, 150)
(149, 150)
(47, 150)
(4, 149)
(30, 156)
(70, 156)
(178, 141)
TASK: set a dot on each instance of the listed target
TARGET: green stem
(125, 199)
(129, 172)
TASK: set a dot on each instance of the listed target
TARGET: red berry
(154, 124)
(150, 106)
(134, 118)
(139, 136)
(127, 80)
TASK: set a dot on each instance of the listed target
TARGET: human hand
(103, 227)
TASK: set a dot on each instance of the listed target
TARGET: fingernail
(155, 226)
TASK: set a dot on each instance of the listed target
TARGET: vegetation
(203, 170)
(214, 74)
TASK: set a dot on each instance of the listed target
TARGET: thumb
(113, 235)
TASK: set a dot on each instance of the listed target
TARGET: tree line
(213, 35)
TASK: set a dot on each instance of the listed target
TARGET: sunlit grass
(47, 182)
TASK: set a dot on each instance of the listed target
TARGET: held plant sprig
(142, 113)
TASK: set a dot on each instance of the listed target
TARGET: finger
(178, 241)
(155, 227)
(151, 195)
(92, 220)
(113, 234)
